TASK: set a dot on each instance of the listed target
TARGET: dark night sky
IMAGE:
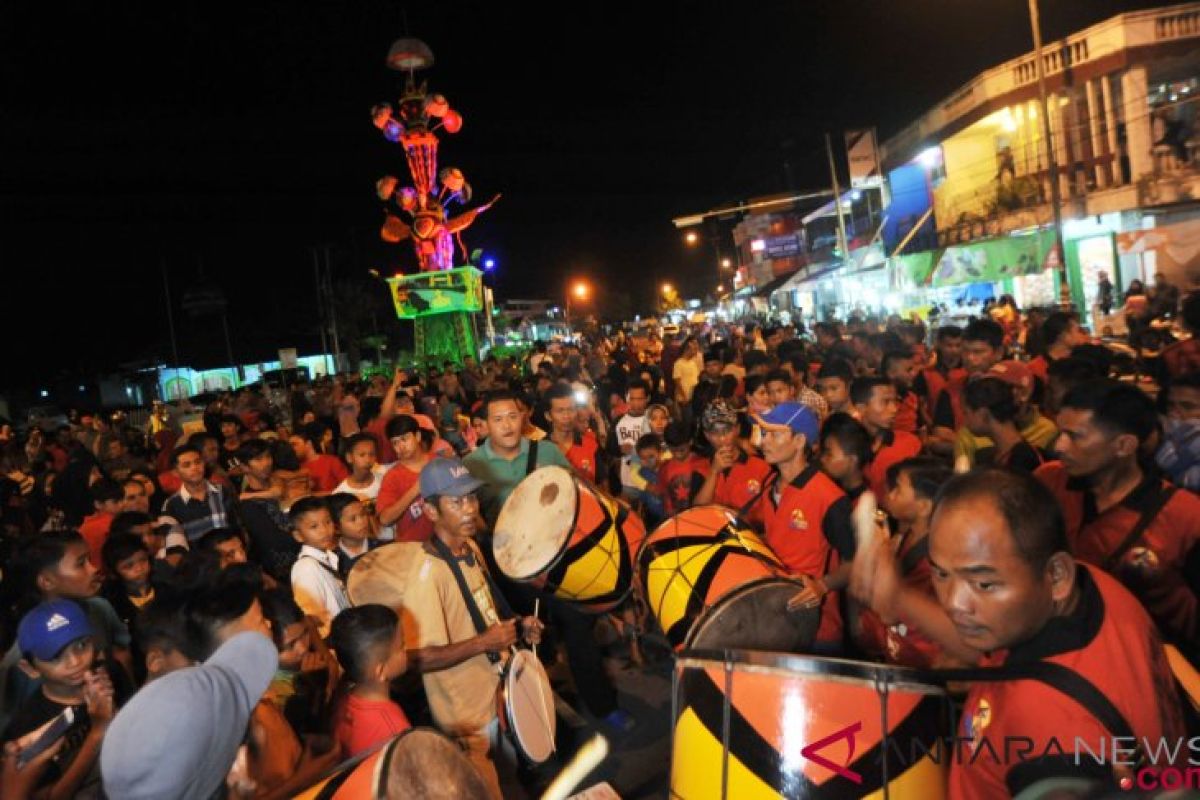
(137, 134)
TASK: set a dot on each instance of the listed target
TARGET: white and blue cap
(50, 627)
(795, 416)
(447, 476)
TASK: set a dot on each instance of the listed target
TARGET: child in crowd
(160, 635)
(107, 497)
(369, 643)
(57, 647)
(681, 477)
(649, 452)
(846, 453)
(912, 486)
(168, 548)
(307, 674)
(129, 587)
(221, 548)
(366, 476)
(316, 584)
(356, 529)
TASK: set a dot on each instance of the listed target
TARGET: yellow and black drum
(418, 761)
(762, 725)
(712, 583)
(558, 532)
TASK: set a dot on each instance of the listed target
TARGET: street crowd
(183, 594)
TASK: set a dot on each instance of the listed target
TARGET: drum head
(426, 759)
(529, 703)
(755, 617)
(381, 575)
(535, 522)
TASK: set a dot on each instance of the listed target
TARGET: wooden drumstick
(537, 605)
(962, 464)
(586, 760)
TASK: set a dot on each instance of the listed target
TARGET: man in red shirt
(1078, 662)
(107, 496)
(875, 401)
(581, 449)
(806, 517)
(982, 346)
(399, 502)
(897, 367)
(326, 471)
(681, 476)
(736, 480)
(1118, 518)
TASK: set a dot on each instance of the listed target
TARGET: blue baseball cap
(447, 476)
(796, 416)
(51, 626)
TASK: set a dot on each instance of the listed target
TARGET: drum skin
(711, 582)
(745, 720)
(418, 754)
(588, 560)
(525, 707)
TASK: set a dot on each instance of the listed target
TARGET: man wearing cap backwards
(1079, 665)
(55, 639)
(1036, 429)
(736, 480)
(806, 516)
(451, 654)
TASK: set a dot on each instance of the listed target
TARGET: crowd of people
(176, 603)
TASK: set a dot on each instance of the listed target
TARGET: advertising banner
(426, 293)
(987, 261)
(863, 159)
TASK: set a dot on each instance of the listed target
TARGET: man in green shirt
(504, 460)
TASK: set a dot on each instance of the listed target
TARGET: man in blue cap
(806, 516)
(56, 645)
(464, 626)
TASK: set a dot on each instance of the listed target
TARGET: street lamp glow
(489, 263)
(580, 291)
(667, 288)
(720, 287)
(692, 237)
(726, 263)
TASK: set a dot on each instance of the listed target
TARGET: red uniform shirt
(900, 643)
(908, 415)
(943, 392)
(1110, 642)
(582, 455)
(891, 447)
(326, 471)
(809, 529)
(1154, 567)
(741, 486)
(94, 530)
(679, 480)
(359, 725)
(412, 525)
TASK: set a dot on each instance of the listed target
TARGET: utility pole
(1064, 285)
(837, 200)
(337, 350)
(317, 283)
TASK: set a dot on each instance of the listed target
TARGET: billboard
(864, 162)
(427, 293)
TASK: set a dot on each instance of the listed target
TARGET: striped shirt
(199, 515)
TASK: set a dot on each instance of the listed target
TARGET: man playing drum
(453, 656)
(1079, 659)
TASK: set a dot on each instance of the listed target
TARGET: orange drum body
(419, 757)
(758, 725)
(712, 583)
(564, 535)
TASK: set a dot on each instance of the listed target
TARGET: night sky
(234, 138)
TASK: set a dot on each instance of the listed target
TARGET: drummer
(1009, 594)
(806, 517)
(735, 480)
(452, 654)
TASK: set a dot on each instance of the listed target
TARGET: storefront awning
(986, 261)
(770, 287)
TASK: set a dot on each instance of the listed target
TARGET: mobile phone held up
(55, 731)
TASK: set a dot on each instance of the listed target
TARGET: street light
(667, 289)
(726, 263)
(691, 237)
(580, 290)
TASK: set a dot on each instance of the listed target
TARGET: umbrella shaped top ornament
(420, 212)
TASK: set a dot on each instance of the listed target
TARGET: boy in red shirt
(876, 405)
(107, 496)
(681, 476)
(326, 471)
(369, 643)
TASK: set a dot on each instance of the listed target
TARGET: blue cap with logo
(51, 626)
(447, 476)
(796, 416)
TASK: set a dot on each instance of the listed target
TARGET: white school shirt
(317, 588)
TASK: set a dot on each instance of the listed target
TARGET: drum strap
(531, 461)
(502, 607)
(1151, 511)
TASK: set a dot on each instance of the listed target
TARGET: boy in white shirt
(316, 586)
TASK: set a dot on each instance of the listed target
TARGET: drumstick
(962, 464)
(537, 604)
(864, 517)
(586, 760)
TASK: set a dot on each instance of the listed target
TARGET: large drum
(382, 576)
(419, 761)
(713, 584)
(761, 725)
(558, 532)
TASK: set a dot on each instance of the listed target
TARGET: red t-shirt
(945, 412)
(327, 472)
(900, 643)
(582, 455)
(1154, 568)
(907, 415)
(741, 484)
(384, 453)
(94, 530)
(679, 480)
(359, 725)
(1110, 642)
(412, 525)
(891, 447)
(810, 530)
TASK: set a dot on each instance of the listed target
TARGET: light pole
(1064, 288)
(579, 290)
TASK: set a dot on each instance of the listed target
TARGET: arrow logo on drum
(810, 752)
